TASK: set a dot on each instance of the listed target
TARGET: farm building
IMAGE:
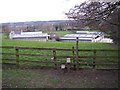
(37, 36)
(83, 36)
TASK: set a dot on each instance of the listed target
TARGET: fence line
(75, 57)
(60, 49)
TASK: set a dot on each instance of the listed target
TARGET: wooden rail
(76, 59)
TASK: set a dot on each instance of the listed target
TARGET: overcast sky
(35, 10)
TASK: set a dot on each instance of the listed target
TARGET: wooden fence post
(74, 65)
(54, 58)
(17, 57)
(77, 53)
(94, 59)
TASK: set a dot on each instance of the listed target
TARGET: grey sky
(32, 10)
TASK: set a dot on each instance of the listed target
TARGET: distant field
(61, 33)
(4, 35)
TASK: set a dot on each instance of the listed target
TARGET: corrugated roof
(75, 38)
(28, 34)
(80, 35)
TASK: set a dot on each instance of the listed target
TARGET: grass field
(82, 45)
(61, 33)
(50, 78)
(68, 45)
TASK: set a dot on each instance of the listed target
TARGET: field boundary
(74, 60)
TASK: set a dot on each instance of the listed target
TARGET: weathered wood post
(77, 53)
(73, 52)
(17, 57)
(94, 58)
(68, 63)
(54, 58)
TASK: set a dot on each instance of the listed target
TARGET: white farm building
(84, 36)
(36, 36)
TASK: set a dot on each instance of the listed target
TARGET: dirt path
(51, 78)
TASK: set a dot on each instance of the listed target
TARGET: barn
(36, 36)
(83, 36)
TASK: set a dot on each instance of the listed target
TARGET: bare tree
(101, 15)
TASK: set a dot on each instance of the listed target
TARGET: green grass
(4, 35)
(38, 78)
(61, 33)
(43, 78)
(82, 45)
(69, 45)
